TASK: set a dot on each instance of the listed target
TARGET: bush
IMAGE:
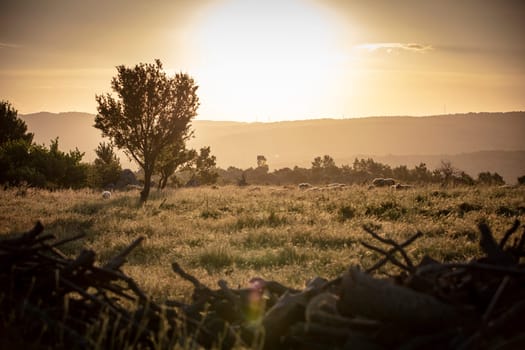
(487, 178)
(23, 162)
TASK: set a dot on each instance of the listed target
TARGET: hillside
(473, 142)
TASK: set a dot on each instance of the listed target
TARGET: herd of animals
(377, 182)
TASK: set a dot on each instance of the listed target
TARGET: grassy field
(284, 234)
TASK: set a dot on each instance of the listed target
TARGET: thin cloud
(8, 46)
(391, 47)
(515, 50)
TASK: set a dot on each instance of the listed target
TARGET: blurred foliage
(105, 170)
(22, 162)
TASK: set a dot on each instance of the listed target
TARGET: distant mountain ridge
(473, 142)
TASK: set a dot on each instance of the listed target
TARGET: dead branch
(117, 261)
(384, 301)
(509, 233)
(196, 283)
(494, 253)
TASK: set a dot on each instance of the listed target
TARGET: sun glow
(266, 60)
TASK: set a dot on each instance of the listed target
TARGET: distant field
(285, 234)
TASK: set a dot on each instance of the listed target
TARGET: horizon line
(309, 119)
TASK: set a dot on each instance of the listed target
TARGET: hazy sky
(271, 60)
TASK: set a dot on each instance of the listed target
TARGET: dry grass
(276, 233)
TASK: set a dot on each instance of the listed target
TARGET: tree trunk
(163, 181)
(144, 194)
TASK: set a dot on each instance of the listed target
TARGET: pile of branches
(478, 304)
(429, 305)
(50, 300)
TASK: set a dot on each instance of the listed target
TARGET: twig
(388, 255)
(56, 251)
(234, 299)
(35, 231)
(196, 283)
(42, 239)
(495, 298)
(67, 240)
(508, 233)
(489, 246)
(86, 295)
(131, 284)
(521, 243)
(117, 290)
(228, 293)
(86, 258)
(398, 247)
(120, 259)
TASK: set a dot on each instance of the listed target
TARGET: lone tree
(150, 113)
(261, 161)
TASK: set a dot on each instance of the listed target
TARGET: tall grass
(276, 233)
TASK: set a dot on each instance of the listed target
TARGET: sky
(272, 60)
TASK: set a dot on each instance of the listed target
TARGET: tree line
(22, 162)
(324, 170)
(148, 116)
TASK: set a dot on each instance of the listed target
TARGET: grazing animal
(304, 185)
(389, 182)
(380, 182)
(335, 186)
(106, 195)
(402, 187)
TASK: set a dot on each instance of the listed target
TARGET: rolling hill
(473, 142)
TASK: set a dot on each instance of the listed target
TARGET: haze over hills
(473, 142)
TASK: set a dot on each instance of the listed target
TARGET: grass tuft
(251, 221)
(387, 210)
(346, 213)
(215, 258)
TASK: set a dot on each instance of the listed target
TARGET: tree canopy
(24, 163)
(11, 127)
(106, 168)
(171, 159)
(150, 113)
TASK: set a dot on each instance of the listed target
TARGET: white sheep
(304, 185)
(402, 187)
(380, 182)
(106, 195)
(335, 186)
(389, 182)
